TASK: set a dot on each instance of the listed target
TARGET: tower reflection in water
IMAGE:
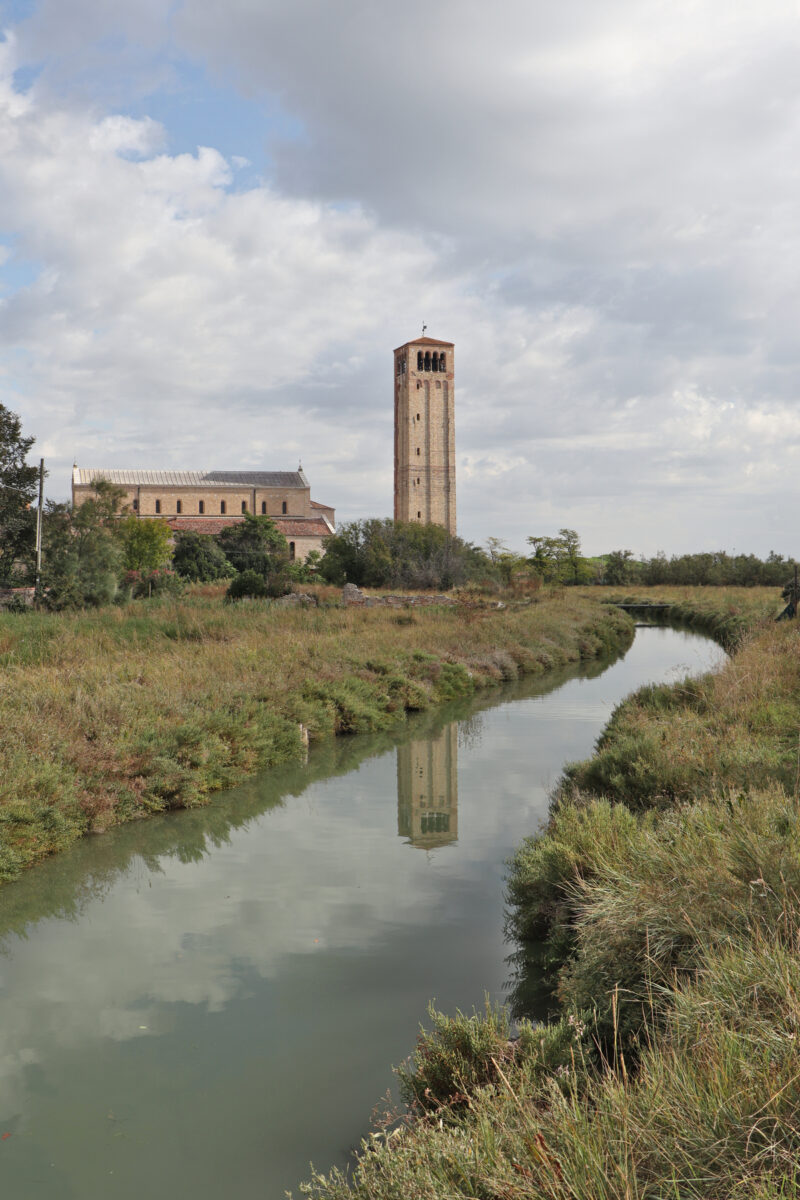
(427, 789)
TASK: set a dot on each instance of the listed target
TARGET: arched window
(291, 551)
(222, 507)
(244, 506)
(136, 506)
(442, 362)
(427, 360)
(263, 508)
(178, 506)
(284, 507)
(420, 361)
(435, 362)
(201, 507)
(419, 516)
(158, 506)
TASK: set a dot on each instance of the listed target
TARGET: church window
(244, 506)
(417, 451)
(442, 362)
(291, 551)
(222, 507)
(201, 507)
(284, 507)
(420, 361)
(263, 508)
(435, 362)
(158, 506)
(427, 360)
(136, 506)
(178, 506)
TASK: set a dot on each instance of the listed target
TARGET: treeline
(714, 569)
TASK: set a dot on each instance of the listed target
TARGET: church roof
(136, 478)
(425, 341)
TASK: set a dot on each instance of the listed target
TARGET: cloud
(593, 202)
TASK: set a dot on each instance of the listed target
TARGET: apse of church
(424, 433)
(427, 790)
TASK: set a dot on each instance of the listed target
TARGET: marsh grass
(662, 905)
(116, 713)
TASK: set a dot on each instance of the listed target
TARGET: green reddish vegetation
(658, 918)
(113, 713)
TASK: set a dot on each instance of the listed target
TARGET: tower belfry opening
(424, 433)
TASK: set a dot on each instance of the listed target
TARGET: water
(202, 1003)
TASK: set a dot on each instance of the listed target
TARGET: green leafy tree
(146, 543)
(385, 553)
(199, 558)
(18, 483)
(255, 544)
(619, 567)
(559, 560)
(83, 552)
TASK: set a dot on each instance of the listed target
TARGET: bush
(253, 585)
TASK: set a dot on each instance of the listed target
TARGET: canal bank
(666, 922)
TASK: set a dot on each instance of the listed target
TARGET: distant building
(424, 433)
(208, 501)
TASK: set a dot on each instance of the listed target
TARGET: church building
(424, 433)
(208, 501)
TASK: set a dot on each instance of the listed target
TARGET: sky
(217, 221)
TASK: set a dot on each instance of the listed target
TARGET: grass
(114, 714)
(662, 906)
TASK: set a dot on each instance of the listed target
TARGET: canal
(202, 1003)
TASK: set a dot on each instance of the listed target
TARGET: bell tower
(424, 433)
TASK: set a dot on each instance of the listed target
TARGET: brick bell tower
(424, 433)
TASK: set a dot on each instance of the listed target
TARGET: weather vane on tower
(424, 327)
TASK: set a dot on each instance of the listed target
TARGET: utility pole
(38, 581)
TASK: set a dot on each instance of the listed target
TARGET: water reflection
(427, 789)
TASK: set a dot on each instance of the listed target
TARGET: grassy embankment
(110, 715)
(663, 903)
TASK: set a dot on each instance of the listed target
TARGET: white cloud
(596, 203)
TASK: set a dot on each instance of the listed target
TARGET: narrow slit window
(284, 507)
(419, 516)
(201, 507)
(244, 506)
(222, 507)
(178, 506)
(136, 506)
(158, 506)
(291, 551)
(417, 451)
(263, 508)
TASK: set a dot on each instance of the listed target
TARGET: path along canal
(199, 1004)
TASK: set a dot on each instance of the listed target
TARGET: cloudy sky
(217, 220)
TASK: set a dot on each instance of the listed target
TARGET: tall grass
(662, 907)
(114, 714)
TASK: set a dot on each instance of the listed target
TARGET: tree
(255, 544)
(83, 550)
(559, 560)
(619, 567)
(384, 553)
(18, 483)
(146, 543)
(198, 557)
